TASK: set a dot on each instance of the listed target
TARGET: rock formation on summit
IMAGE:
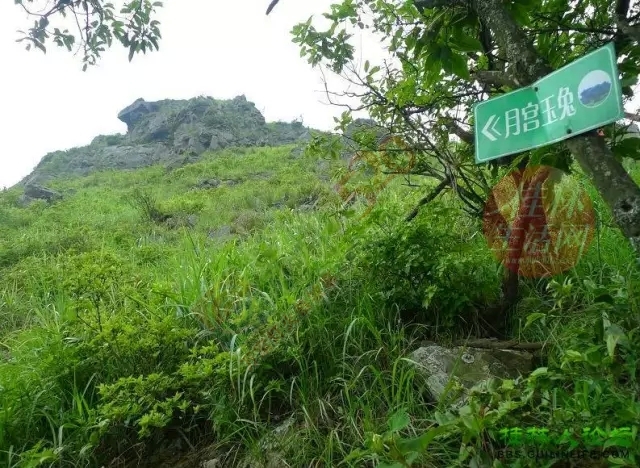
(170, 132)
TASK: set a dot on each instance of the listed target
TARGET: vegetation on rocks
(171, 132)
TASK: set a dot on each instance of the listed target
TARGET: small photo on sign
(595, 88)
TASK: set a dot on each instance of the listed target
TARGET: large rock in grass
(34, 191)
(272, 447)
(41, 193)
(452, 372)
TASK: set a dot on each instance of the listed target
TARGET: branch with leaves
(97, 25)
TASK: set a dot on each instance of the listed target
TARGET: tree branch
(624, 26)
(632, 31)
(496, 78)
(428, 199)
(272, 6)
(428, 4)
(460, 132)
(634, 117)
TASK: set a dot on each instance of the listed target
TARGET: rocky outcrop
(222, 232)
(171, 132)
(205, 123)
(452, 372)
(41, 193)
(272, 447)
(209, 184)
(134, 112)
(33, 191)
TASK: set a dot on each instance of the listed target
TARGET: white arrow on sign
(486, 128)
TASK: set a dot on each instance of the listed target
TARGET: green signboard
(579, 97)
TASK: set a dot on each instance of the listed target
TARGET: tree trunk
(616, 186)
(634, 117)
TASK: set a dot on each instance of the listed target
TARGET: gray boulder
(459, 369)
(209, 184)
(181, 221)
(196, 124)
(33, 191)
(222, 232)
(272, 447)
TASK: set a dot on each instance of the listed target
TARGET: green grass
(124, 337)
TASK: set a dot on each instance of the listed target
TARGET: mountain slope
(230, 191)
(232, 304)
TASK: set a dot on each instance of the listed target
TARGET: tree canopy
(91, 26)
(451, 55)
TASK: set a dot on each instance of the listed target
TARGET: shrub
(147, 205)
(426, 269)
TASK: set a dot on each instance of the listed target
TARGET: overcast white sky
(216, 48)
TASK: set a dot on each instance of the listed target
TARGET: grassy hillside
(151, 318)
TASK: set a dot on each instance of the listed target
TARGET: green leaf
(508, 384)
(433, 62)
(421, 443)
(445, 419)
(628, 148)
(571, 356)
(594, 355)
(521, 12)
(614, 335)
(470, 422)
(514, 164)
(533, 317)
(598, 331)
(355, 455)
(418, 48)
(605, 298)
(452, 63)
(629, 81)
(412, 39)
(444, 54)
(459, 66)
(399, 421)
(464, 43)
(618, 442)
